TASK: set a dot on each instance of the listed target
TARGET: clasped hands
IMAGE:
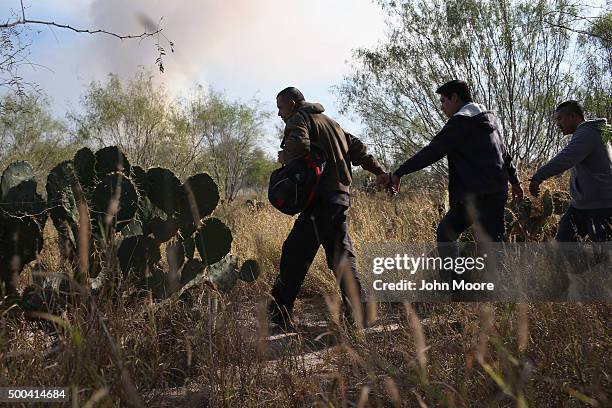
(389, 181)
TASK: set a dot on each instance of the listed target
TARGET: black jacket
(478, 162)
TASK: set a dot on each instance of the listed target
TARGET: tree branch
(24, 21)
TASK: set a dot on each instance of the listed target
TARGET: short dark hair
(456, 86)
(569, 107)
(292, 94)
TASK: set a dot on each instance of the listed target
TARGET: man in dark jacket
(324, 222)
(588, 155)
(479, 168)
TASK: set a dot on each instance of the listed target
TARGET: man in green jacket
(324, 222)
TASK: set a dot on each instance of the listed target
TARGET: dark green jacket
(340, 147)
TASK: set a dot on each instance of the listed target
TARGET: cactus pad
(139, 177)
(175, 254)
(213, 241)
(154, 282)
(60, 197)
(23, 200)
(84, 164)
(162, 229)
(189, 245)
(137, 254)
(561, 201)
(164, 189)
(15, 174)
(249, 271)
(524, 209)
(191, 269)
(21, 240)
(509, 219)
(223, 274)
(116, 190)
(547, 204)
(110, 160)
(205, 196)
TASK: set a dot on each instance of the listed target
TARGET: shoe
(280, 316)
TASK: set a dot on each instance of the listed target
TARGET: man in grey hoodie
(589, 155)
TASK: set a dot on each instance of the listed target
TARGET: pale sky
(244, 47)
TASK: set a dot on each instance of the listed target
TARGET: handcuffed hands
(389, 181)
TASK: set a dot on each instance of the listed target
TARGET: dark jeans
(484, 212)
(323, 224)
(593, 225)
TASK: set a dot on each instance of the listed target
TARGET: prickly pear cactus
(531, 220)
(547, 204)
(224, 274)
(23, 214)
(110, 160)
(147, 208)
(63, 208)
(15, 174)
(249, 271)
(509, 220)
(138, 255)
(84, 165)
(164, 190)
(115, 200)
(561, 200)
(213, 240)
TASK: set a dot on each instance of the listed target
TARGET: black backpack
(293, 187)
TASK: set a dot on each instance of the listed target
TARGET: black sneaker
(280, 316)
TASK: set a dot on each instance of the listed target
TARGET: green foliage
(230, 130)
(595, 46)
(28, 131)
(259, 169)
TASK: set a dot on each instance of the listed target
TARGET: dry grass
(189, 353)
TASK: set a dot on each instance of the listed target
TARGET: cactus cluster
(101, 204)
(526, 219)
(147, 208)
(22, 219)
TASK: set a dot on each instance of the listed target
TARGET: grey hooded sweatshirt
(590, 158)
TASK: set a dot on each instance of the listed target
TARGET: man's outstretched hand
(534, 188)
